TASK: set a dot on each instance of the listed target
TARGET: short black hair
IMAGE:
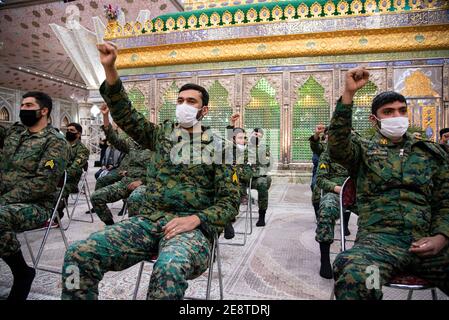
(384, 98)
(260, 130)
(443, 131)
(42, 99)
(202, 90)
(77, 126)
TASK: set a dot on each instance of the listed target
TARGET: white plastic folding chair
(214, 255)
(83, 187)
(54, 216)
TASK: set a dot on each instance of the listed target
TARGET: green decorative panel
(310, 110)
(219, 109)
(264, 111)
(138, 100)
(168, 108)
(362, 108)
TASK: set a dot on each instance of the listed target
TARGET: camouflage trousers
(262, 185)
(127, 243)
(19, 217)
(108, 179)
(375, 258)
(138, 202)
(108, 194)
(328, 213)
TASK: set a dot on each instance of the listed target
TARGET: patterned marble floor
(278, 261)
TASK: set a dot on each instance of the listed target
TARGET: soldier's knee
(96, 198)
(72, 253)
(171, 266)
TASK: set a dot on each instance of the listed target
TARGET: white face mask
(393, 128)
(186, 115)
(240, 147)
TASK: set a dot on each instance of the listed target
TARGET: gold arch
(418, 84)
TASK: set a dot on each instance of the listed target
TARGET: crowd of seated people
(184, 184)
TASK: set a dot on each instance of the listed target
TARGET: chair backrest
(347, 198)
(348, 192)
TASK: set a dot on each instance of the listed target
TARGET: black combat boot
(346, 216)
(326, 268)
(229, 231)
(261, 221)
(109, 222)
(23, 277)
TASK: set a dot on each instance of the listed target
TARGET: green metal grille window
(362, 108)
(168, 108)
(310, 110)
(138, 100)
(264, 112)
(219, 109)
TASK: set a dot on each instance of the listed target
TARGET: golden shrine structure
(281, 63)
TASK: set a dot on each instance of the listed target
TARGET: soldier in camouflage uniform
(237, 153)
(257, 158)
(34, 159)
(260, 161)
(79, 155)
(318, 142)
(191, 198)
(133, 168)
(402, 198)
(444, 139)
(330, 177)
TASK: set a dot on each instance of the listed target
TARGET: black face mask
(70, 136)
(30, 117)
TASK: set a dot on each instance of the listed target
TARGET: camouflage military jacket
(79, 155)
(185, 178)
(32, 166)
(317, 146)
(330, 173)
(131, 151)
(239, 161)
(401, 189)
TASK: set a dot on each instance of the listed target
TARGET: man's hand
(180, 225)
(108, 55)
(123, 173)
(104, 109)
(234, 118)
(319, 129)
(133, 185)
(105, 112)
(337, 189)
(429, 246)
(355, 79)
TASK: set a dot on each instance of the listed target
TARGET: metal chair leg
(211, 270)
(220, 275)
(139, 276)
(434, 293)
(125, 209)
(84, 187)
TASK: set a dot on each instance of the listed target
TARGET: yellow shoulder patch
(235, 177)
(50, 163)
(78, 161)
(323, 166)
(383, 141)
